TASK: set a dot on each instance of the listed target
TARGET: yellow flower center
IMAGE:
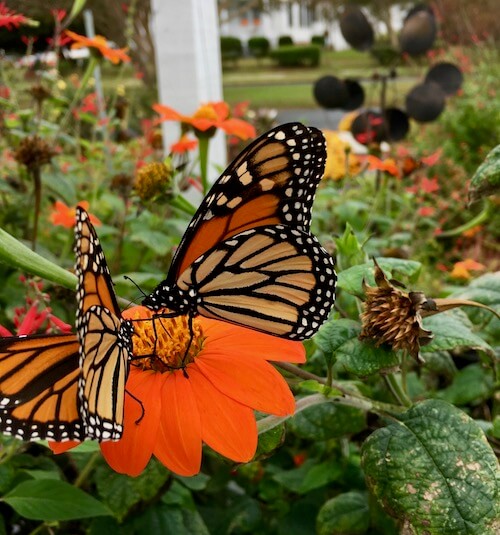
(205, 112)
(165, 344)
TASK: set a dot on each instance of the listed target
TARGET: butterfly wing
(105, 339)
(273, 181)
(38, 387)
(274, 279)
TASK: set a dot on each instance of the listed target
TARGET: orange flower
(65, 216)
(99, 43)
(209, 115)
(388, 165)
(183, 145)
(194, 390)
(461, 270)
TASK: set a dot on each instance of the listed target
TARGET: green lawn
(266, 85)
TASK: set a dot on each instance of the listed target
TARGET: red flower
(429, 185)
(64, 215)
(426, 211)
(10, 20)
(207, 116)
(199, 387)
(30, 321)
(58, 14)
(183, 145)
(433, 158)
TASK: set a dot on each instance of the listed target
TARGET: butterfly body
(247, 256)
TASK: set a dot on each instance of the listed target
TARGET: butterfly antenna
(126, 277)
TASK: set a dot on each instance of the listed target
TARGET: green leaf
(197, 482)
(351, 280)
(159, 242)
(452, 331)
(15, 254)
(309, 476)
(486, 179)
(43, 474)
(169, 520)
(485, 290)
(50, 500)
(120, 492)
(472, 384)
(269, 441)
(339, 342)
(349, 250)
(61, 186)
(346, 513)
(435, 470)
(327, 420)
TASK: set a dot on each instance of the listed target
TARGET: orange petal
(178, 445)
(167, 113)
(249, 343)
(132, 452)
(239, 128)
(202, 123)
(252, 382)
(221, 109)
(61, 447)
(228, 427)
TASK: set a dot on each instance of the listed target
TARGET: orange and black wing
(273, 279)
(105, 339)
(39, 387)
(273, 181)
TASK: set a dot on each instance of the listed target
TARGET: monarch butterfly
(247, 256)
(105, 339)
(66, 386)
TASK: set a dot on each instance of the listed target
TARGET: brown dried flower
(39, 93)
(33, 152)
(394, 317)
(122, 183)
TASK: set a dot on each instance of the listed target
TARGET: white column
(189, 72)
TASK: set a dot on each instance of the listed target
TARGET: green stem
(37, 180)
(368, 405)
(87, 469)
(203, 143)
(79, 92)
(478, 220)
(397, 390)
(183, 205)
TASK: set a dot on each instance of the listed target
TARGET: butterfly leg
(138, 421)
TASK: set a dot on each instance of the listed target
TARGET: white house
(294, 18)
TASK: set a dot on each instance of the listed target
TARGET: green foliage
(379, 443)
(259, 46)
(385, 53)
(285, 40)
(435, 468)
(318, 40)
(295, 56)
(486, 179)
(231, 48)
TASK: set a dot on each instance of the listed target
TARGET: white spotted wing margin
(273, 279)
(105, 339)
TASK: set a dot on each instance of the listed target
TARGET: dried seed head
(122, 183)
(153, 179)
(393, 317)
(33, 152)
(39, 93)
